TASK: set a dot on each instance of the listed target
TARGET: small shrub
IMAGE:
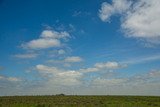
(40, 105)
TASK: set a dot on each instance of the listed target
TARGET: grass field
(80, 101)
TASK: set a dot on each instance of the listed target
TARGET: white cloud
(107, 10)
(89, 70)
(10, 85)
(140, 84)
(13, 79)
(140, 18)
(10, 79)
(154, 73)
(26, 56)
(42, 43)
(57, 80)
(48, 39)
(147, 78)
(66, 61)
(59, 76)
(103, 66)
(45, 69)
(68, 78)
(108, 65)
(61, 51)
(121, 6)
(54, 34)
(108, 82)
(144, 21)
(73, 59)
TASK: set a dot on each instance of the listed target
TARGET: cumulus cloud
(66, 61)
(45, 69)
(51, 39)
(42, 43)
(68, 77)
(143, 21)
(26, 56)
(140, 18)
(118, 6)
(108, 65)
(59, 76)
(73, 59)
(103, 66)
(106, 11)
(48, 39)
(55, 34)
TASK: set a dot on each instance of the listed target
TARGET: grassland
(80, 101)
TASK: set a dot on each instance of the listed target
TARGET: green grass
(80, 101)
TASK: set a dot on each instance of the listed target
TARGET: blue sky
(79, 47)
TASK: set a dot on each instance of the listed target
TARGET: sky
(79, 47)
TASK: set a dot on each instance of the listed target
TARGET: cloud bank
(90, 81)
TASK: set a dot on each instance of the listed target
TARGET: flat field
(80, 101)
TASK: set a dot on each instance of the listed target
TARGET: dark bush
(40, 105)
